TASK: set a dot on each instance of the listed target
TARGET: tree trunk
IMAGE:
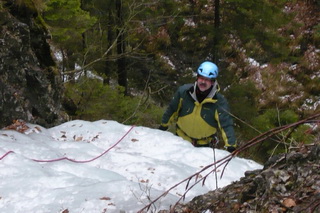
(83, 35)
(121, 49)
(216, 31)
(110, 39)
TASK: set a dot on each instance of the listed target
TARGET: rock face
(287, 183)
(30, 85)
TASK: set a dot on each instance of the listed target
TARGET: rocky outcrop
(287, 183)
(30, 84)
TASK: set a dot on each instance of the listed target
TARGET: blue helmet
(208, 70)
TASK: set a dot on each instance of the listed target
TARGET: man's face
(204, 83)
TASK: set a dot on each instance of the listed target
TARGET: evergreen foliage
(257, 22)
(166, 40)
(242, 99)
(95, 100)
(33, 5)
(273, 118)
(67, 21)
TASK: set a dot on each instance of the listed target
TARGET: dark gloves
(163, 128)
(230, 149)
(214, 142)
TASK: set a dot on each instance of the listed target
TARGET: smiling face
(204, 83)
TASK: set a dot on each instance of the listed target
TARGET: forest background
(123, 60)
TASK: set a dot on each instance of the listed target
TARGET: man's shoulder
(221, 98)
(185, 87)
(219, 95)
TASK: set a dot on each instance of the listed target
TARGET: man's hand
(214, 142)
(230, 149)
(163, 128)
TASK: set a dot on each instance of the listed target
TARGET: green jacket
(200, 121)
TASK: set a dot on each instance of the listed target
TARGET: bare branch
(224, 161)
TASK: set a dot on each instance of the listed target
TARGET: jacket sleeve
(225, 122)
(171, 113)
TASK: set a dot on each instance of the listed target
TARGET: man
(199, 110)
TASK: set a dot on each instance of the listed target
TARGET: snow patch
(138, 164)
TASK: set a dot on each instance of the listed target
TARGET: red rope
(77, 161)
(6, 154)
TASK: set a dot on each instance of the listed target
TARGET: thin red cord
(77, 161)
